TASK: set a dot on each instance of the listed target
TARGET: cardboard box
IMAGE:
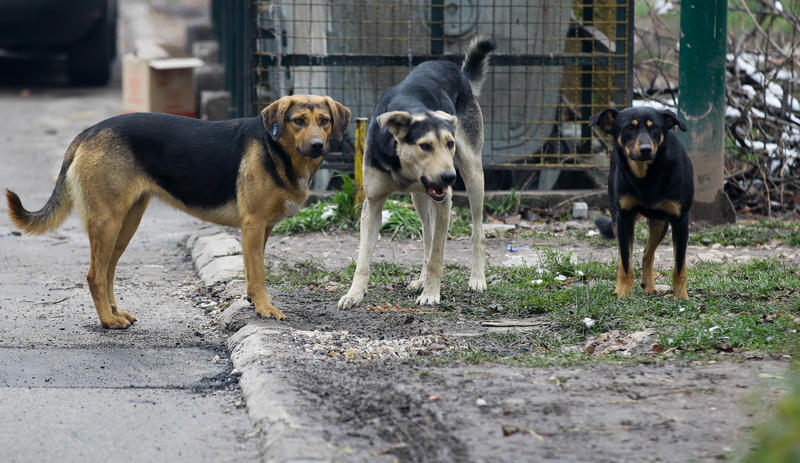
(156, 82)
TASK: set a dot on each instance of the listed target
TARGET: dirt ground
(353, 374)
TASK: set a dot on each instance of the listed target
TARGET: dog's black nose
(448, 178)
(645, 150)
(317, 145)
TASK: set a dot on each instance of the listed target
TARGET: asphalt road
(70, 390)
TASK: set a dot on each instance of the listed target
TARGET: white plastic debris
(480, 402)
(588, 322)
(580, 210)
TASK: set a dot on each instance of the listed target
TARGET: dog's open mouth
(438, 193)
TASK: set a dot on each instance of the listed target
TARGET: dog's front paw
(271, 311)
(477, 283)
(428, 299)
(351, 299)
(115, 322)
(419, 283)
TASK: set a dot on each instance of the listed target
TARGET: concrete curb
(285, 437)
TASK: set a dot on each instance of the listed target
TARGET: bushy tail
(476, 62)
(54, 212)
(605, 226)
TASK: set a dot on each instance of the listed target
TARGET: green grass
(342, 213)
(732, 308)
(738, 234)
(778, 439)
(749, 234)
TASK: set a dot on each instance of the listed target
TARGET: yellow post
(361, 137)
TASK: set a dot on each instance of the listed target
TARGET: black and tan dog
(416, 131)
(248, 173)
(650, 174)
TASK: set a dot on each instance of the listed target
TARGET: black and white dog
(416, 131)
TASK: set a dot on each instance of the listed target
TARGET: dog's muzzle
(438, 190)
(315, 149)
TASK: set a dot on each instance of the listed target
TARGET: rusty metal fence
(557, 62)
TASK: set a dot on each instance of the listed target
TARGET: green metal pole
(702, 104)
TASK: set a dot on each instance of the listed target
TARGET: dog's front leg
(435, 261)
(370, 225)
(422, 203)
(680, 240)
(625, 226)
(254, 237)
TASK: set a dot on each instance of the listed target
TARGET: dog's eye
(450, 144)
(324, 121)
(299, 121)
(425, 146)
(630, 127)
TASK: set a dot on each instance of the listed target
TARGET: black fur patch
(420, 128)
(196, 161)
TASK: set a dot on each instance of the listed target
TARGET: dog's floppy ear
(672, 119)
(397, 122)
(341, 117)
(604, 119)
(274, 116)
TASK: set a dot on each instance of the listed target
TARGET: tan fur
(624, 284)
(657, 232)
(628, 202)
(670, 207)
(111, 192)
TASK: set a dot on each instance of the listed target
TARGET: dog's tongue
(436, 192)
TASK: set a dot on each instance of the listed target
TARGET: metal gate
(557, 62)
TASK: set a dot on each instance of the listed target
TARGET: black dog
(651, 175)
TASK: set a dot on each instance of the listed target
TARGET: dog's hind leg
(472, 173)
(435, 262)
(129, 226)
(423, 205)
(658, 229)
(680, 239)
(370, 226)
(103, 228)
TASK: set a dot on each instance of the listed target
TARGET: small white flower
(560, 277)
(539, 270)
(713, 328)
(537, 282)
(578, 273)
(328, 212)
(591, 233)
(588, 322)
(681, 309)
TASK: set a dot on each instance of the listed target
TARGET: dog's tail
(605, 226)
(54, 212)
(476, 62)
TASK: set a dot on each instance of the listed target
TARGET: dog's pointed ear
(341, 117)
(446, 116)
(274, 116)
(604, 119)
(672, 119)
(397, 122)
